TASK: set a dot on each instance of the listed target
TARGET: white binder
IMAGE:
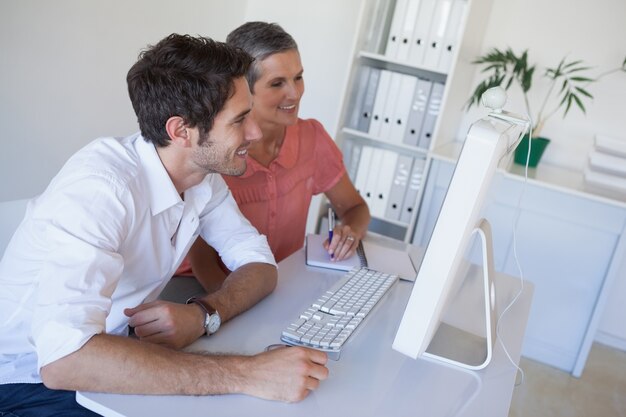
(415, 182)
(363, 170)
(430, 118)
(402, 108)
(358, 96)
(437, 34)
(417, 112)
(368, 100)
(351, 155)
(346, 150)
(398, 187)
(372, 177)
(384, 181)
(389, 110)
(419, 39)
(379, 103)
(451, 37)
(395, 30)
(408, 27)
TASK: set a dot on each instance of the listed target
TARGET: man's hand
(169, 324)
(178, 325)
(285, 374)
(116, 364)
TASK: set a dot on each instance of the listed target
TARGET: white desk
(370, 379)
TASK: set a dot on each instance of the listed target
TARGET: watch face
(214, 323)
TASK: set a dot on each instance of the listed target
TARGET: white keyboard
(333, 317)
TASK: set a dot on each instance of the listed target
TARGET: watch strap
(206, 307)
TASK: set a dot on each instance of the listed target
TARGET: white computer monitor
(487, 142)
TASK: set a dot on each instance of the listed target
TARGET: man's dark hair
(186, 76)
(260, 40)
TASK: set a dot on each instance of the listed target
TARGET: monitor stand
(452, 342)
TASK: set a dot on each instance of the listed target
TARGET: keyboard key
(336, 314)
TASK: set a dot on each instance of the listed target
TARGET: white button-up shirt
(107, 234)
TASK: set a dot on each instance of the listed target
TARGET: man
(98, 246)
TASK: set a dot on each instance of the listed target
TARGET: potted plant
(568, 87)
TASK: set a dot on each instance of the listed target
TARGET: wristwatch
(212, 319)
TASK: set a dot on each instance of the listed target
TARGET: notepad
(371, 255)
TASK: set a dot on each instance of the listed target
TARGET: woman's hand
(344, 243)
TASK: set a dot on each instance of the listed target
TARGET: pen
(331, 225)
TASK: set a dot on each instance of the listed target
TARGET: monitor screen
(488, 141)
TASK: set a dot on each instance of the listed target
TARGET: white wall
(590, 30)
(64, 63)
(63, 68)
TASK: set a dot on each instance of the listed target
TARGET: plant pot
(538, 146)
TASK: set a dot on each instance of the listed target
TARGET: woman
(294, 160)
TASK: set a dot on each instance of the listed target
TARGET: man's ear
(177, 131)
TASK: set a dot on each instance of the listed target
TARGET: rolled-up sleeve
(82, 230)
(229, 232)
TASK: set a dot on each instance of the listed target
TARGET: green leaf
(579, 103)
(577, 69)
(527, 79)
(559, 70)
(581, 79)
(563, 100)
(569, 104)
(583, 92)
(490, 68)
(571, 64)
(510, 55)
(553, 73)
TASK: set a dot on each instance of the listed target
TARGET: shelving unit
(371, 54)
(571, 239)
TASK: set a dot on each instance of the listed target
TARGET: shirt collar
(161, 189)
(287, 155)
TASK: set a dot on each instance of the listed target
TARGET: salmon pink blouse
(276, 199)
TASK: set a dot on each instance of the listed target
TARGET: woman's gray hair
(260, 40)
